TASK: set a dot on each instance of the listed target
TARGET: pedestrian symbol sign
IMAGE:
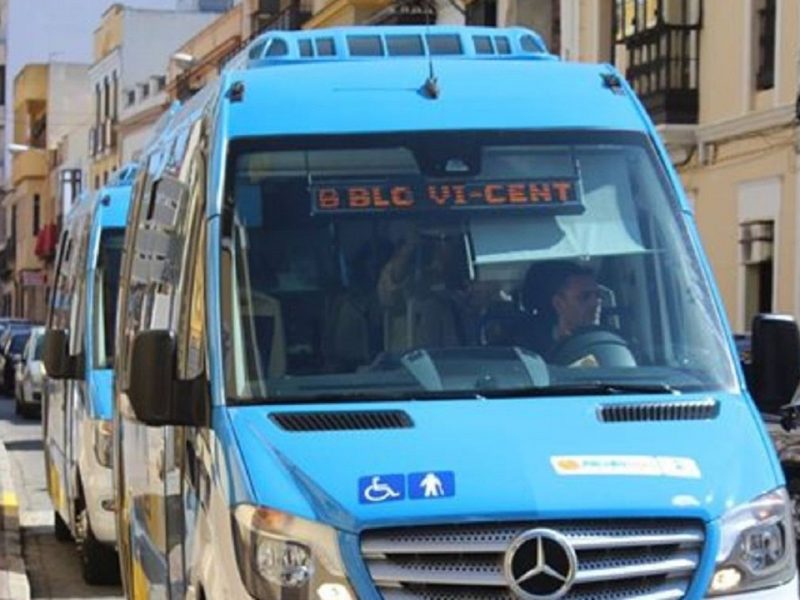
(431, 485)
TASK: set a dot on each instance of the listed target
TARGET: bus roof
(362, 97)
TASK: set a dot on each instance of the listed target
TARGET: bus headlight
(757, 546)
(277, 552)
(102, 432)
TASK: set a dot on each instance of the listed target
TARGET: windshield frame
(680, 214)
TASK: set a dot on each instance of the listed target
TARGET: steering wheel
(592, 347)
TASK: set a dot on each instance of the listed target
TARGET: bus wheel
(99, 563)
(62, 531)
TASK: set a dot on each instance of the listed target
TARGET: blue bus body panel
(353, 97)
(101, 388)
(503, 457)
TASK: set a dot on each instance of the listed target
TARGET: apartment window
(482, 12)
(145, 90)
(71, 183)
(2, 85)
(131, 98)
(161, 82)
(756, 240)
(114, 96)
(97, 182)
(765, 50)
(98, 103)
(37, 208)
(106, 98)
(105, 177)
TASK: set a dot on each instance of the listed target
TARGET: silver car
(29, 376)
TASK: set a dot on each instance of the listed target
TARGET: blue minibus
(76, 414)
(422, 312)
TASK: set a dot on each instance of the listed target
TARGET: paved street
(53, 567)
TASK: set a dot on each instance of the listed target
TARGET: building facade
(47, 97)
(720, 80)
(131, 50)
(201, 58)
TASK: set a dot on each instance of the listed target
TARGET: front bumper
(788, 591)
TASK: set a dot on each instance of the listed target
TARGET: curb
(13, 579)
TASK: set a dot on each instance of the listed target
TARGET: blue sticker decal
(432, 484)
(381, 488)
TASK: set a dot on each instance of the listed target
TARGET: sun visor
(607, 226)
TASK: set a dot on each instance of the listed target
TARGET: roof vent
(660, 411)
(342, 420)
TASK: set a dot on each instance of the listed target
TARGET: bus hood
(504, 459)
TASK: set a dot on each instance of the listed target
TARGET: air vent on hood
(342, 420)
(660, 411)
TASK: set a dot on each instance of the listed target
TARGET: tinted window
(257, 50)
(529, 44)
(444, 44)
(365, 45)
(305, 48)
(326, 47)
(37, 352)
(483, 44)
(405, 45)
(503, 45)
(278, 48)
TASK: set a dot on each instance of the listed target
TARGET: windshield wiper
(584, 388)
(378, 396)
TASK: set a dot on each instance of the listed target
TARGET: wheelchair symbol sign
(381, 488)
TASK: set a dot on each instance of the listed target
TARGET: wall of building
(60, 30)
(150, 38)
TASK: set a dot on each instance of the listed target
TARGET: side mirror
(775, 366)
(157, 396)
(57, 360)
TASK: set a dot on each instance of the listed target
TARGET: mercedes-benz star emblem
(540, 565)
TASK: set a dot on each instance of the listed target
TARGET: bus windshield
(460, 264)
(106, 286)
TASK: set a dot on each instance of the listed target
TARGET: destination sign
(561, 195)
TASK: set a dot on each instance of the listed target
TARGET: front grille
(645, 559)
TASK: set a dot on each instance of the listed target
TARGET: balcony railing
(663, 68)
(291, 16)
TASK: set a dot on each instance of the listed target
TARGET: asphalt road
(53, 567)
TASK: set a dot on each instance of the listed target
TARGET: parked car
(30, 376)
(12, 343)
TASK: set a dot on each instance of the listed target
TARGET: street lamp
(184, 60)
